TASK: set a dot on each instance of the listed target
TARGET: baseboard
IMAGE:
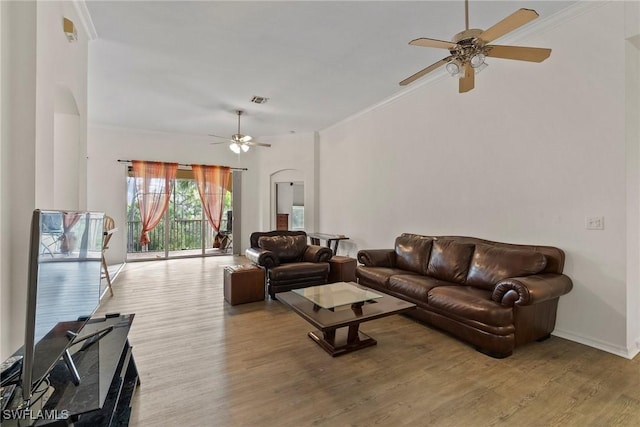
(627, 353)
(115, 275)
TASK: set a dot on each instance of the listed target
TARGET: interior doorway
(288, 198)
(290, 202)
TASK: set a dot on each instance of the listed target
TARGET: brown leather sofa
(289, 262)
(493, 295)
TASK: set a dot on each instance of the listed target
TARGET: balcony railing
(184, 234)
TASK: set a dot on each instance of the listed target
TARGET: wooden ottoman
(243, 283)
(342, 269)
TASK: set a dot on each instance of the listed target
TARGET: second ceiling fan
(240, 142)
(470, 47)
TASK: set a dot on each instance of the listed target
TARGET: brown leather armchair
(289, 262)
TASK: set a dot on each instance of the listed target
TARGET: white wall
(522, 158)
(60, 135)
(5, 290)
(36, 56)
(107, 177)
(632, 34)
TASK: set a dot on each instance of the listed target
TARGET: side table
(243, 284)
(342, 269)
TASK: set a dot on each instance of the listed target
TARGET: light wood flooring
(205, 363)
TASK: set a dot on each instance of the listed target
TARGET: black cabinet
(108, 379)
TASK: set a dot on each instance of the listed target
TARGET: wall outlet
(594, 223)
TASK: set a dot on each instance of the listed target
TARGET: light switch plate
(594, 223)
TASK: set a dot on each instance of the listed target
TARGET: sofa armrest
(315, 253)
(531, 289)
(262, 257)
(377, 257)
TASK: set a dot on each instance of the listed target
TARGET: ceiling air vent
(259, 99)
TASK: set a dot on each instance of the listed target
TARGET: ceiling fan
(239, 142)
(470, 47)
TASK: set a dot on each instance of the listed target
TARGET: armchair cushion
(292, 273)
(286, 248)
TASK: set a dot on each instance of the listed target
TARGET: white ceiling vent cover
(259, 99)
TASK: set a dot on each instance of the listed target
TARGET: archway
(287, 197)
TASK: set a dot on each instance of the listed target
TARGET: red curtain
(154, 182)
(67, 240)
(212, 182)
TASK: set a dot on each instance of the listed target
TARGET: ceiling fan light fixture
(235, 147)
(477, 59)
(244, 147)
(481, 67)
(454, 67)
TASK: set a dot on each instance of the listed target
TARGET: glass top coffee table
(338, 309)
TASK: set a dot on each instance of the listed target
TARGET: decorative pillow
(412, 252)
(450, 260)
(491, 264)
(286, 248)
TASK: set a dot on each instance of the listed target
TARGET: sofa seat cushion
(468, 302)
(298, 270)
(412, 252)
(450, 260)
(491, 264)
(414, 286)
(377, 275)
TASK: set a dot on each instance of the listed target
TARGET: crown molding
(85, 18)
(540, 26)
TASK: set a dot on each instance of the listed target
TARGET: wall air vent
(259, 99)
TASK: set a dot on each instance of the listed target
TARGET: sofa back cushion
(490, 264)
(286, 248)
(450, 260)
(412, 252)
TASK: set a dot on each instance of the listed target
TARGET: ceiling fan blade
(467, 82)
(421, 73)
(221, 137)
(510, 23)
(261, 144)
(424, 42)
(519, 53)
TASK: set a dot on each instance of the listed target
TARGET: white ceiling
(185, 67)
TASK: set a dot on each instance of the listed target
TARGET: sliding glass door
(184, 230)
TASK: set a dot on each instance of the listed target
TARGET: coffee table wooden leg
(329, 336)
(353, 336)
(340, 341)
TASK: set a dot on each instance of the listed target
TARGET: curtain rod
(185, 164)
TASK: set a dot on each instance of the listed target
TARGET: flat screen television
(63, 290)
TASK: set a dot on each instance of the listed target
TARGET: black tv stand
(88, 340)
(109, 379)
